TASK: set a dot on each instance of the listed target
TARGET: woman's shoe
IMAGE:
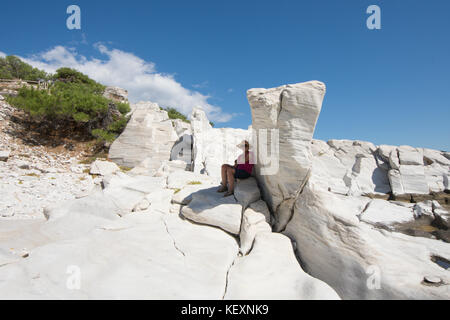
(229, 193)
(222, 189)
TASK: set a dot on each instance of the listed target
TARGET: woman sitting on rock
(242, 169)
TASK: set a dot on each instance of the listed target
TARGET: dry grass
(32, 175)
(125, 169)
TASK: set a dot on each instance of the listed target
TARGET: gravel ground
(35, 176)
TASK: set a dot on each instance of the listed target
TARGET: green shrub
(81, 117)
(123, 108)
(12, 67)
(77, 99)
(36, 102)
(174, 114)
(63, 101)
(119, 125)
(103, 135)
(74, 76)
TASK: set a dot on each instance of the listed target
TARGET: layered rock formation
(336, 236)
(12, 87)
(182, 149)
(149, 135)
(322, 197)
(151, 138)
(116, 94)
(290, 112)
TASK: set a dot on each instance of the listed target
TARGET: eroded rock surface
(140, 256)
(212, 208)
(271, 271)
(116, 94)
(103, 168)
(148, 135)
(330, 237)
(255, 220)
(331, 199)
(291, 110)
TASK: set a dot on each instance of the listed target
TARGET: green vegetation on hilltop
(74, 100)
(76, 78)
(12, 67)
(175, 114)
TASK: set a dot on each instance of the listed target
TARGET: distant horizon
(388, 86)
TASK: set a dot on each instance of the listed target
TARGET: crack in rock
(294, 197)
(173, 239)
(364, 210)
(8, 263)
(226, 278)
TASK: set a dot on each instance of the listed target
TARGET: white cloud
(126, 70)
(204, 84)
(2, 54)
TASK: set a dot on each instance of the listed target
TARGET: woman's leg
(223, 187)
(230, 178)
(224, 175)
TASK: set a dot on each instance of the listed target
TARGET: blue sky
(388, 86)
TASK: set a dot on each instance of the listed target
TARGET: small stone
(4, 155)
(76, 169)
(423, 209)
(103, 168)
(23, 165)
(432, 279)
(143, 205)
